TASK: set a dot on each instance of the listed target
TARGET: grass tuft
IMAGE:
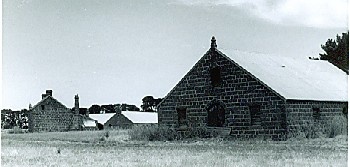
(15, 130)
(338, 126)
(152, 133)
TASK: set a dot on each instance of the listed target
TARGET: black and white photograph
(174, 83)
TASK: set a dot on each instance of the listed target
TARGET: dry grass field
(92, 148)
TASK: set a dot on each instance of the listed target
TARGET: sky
(119, 51)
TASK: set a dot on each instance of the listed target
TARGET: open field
(90, 148)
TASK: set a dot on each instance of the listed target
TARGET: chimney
(76, 104)
(213, 43)
(49, 93)
(118, 109)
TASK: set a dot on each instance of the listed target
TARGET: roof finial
(213, 43)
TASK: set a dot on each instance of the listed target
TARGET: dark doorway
(182, 117)
(216, 114)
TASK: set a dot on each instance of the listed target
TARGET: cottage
(103, 120)
(51, 115)
(254, 94)
(124, 119)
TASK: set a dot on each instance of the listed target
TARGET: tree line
(337, 51)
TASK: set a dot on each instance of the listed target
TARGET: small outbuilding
(125, 119)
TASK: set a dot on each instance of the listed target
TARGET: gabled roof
(133, 116)
(101, 118)
(141, 117)
(295, 78)
(45, 98)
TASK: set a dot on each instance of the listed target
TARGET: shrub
(337, 126)
(102, 138)
(164, 133)
(308, 129)
(107, 134)
(152, 133)
(202, 132)
(15, 130)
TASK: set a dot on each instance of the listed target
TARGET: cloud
(309, 13)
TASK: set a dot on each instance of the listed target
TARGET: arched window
(216, 114)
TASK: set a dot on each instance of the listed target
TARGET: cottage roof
(102, 118)
(295, 78)
(141, 117)
(45, 98)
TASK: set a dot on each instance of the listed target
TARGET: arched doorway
(216, 114)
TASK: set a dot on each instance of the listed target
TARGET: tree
(149, 104)
(131, 107)
(109, 108)
(95, 109)
(117, 108)
(337, 52)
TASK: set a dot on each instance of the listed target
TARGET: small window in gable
(316, 113)
(182, 117)
(215, 76)
(255, 114)
(42, 107)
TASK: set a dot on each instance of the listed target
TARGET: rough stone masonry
(218, 92)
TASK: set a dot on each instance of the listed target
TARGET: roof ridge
(42, 100)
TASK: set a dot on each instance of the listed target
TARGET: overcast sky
(118, 51)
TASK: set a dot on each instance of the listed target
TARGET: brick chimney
(49, 93)
(76, 104)
(213, 45)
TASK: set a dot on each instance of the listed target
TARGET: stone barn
(255, 95)
(51, 115)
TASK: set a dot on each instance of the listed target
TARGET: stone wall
(301, 114)
(237, 90)
(50, 115)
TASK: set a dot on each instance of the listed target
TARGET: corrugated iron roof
(295, 78)
(101, 118)
(141, 117)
